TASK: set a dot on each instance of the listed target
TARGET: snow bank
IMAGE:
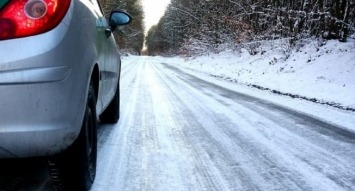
(323, 73)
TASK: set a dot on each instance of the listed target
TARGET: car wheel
(75, 168)
(112, 112)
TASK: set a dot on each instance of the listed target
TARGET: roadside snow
(182, 128)
(325, 73)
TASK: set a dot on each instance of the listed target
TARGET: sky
(153, 10)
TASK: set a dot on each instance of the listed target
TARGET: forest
(129, 38)
(196, 26)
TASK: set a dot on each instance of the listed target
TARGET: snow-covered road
(182, 132)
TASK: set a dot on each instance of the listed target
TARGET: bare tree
(202, 25)
(130, 38)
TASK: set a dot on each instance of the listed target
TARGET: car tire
(75, 168)
(112, 112)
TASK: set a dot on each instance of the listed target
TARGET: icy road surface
(181, 132)
(184, 131)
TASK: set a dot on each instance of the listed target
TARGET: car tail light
(21, 18)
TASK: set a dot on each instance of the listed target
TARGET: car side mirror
(119, 18)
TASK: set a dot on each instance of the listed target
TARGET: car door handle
(108, 32)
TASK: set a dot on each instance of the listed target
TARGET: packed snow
(325, 72)
(317, 71)
(186, 127)
(218, 122)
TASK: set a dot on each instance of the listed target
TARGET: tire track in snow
(344, 179)
(179, 133)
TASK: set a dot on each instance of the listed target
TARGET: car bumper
(43, 90)
(41, 111)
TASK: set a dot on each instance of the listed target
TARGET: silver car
(59, 76)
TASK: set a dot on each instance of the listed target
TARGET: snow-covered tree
(211, 25)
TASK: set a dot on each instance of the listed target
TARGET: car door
(108, 58)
